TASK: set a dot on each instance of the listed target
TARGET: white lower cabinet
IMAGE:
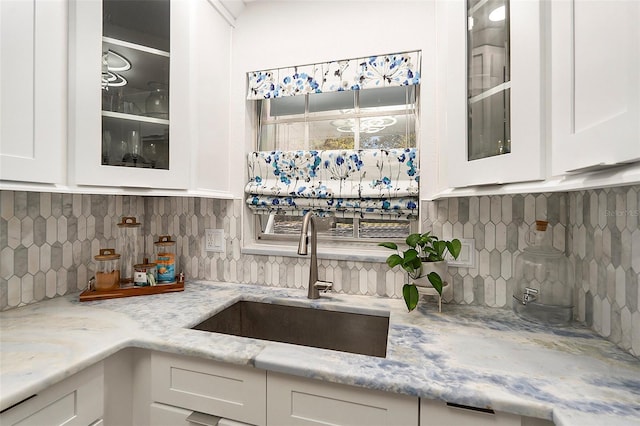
(219, 389)
(77, 400)
(298, 401)
(187, 391)
(438, 413)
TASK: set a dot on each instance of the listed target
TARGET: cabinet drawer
(299, 401)
(438, 413)
(224, 390)
(77, 400)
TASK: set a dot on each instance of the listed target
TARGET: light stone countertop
(468, 355)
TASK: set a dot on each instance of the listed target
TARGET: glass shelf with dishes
(135, 84)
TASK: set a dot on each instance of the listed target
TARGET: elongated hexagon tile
(33, 259)
(485, 209)
(14, 237)
(635, 333)
(635, 250)
(6, 204)
(14, 290)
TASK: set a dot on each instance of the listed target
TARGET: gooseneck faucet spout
(307, 237)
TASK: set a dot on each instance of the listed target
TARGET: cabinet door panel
(525, 162)
(595, 84)
(33, 90)
(85, 124)
(296, 401)
(77, 400)
(225, 390)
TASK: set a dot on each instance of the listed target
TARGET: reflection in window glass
(289, 105)
(282, 136)
(385, 132)
(332, 102)
(388, 97)
(326, 134)
(488, 74)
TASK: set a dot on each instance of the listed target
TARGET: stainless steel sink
(319, 328)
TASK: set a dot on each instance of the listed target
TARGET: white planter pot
(427, 268)
(424, 285)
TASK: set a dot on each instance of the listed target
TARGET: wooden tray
(88, 295)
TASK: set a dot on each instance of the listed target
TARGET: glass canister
(145, 273)
(166, 259)
(128, 245)
(107, 270)
(543, 290)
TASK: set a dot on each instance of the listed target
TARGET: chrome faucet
(314, 284)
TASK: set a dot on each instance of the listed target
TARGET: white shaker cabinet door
(85, 104)
(76, 401)
(33, 90)
(297, 401)
(525, 162)
(595, 96)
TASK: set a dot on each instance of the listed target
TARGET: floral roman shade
(398, 69)
(372, 183)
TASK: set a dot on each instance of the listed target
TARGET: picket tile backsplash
(48, 240)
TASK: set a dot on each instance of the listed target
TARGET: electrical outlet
(467, 258)
(214, 240)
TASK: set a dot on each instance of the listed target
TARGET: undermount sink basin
(341, 331)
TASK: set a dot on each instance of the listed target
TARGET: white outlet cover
(214, 240)
(467, 258)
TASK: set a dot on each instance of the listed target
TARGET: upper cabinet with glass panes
(135, 83)
(362, 119)
(493, 99)
(489, 82)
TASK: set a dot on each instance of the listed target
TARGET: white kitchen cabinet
(595, 81)
(219, 389)
(438, 413)
(525, 161)
(86, 112)
(298, 401)
(33, 90)
(102, 135)
(77, 400)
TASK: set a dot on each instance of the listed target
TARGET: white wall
(273, 34)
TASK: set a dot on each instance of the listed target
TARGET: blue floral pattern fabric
(372, 183)
(398, 69)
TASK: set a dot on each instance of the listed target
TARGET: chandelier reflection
(112, 64)
(367, 125)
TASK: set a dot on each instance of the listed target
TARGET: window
(377, 118)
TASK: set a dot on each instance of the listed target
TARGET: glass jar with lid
(107, 270)
(166, 259)
(543, 290)
(145, 273)
(129, 241)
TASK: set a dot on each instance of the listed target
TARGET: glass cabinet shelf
(134, 117)
(135, 84)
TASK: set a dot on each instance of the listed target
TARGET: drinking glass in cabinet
(488, 78)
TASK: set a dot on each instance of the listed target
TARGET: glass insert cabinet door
(488, 78)
(135, 83)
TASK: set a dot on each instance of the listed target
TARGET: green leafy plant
(422, 248)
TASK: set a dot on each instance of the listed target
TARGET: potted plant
(423, 259)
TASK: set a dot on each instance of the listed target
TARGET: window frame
(409, 109)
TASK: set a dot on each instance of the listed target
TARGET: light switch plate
(214, 240)
(467, 257)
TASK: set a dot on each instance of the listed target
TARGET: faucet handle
(324, 286)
